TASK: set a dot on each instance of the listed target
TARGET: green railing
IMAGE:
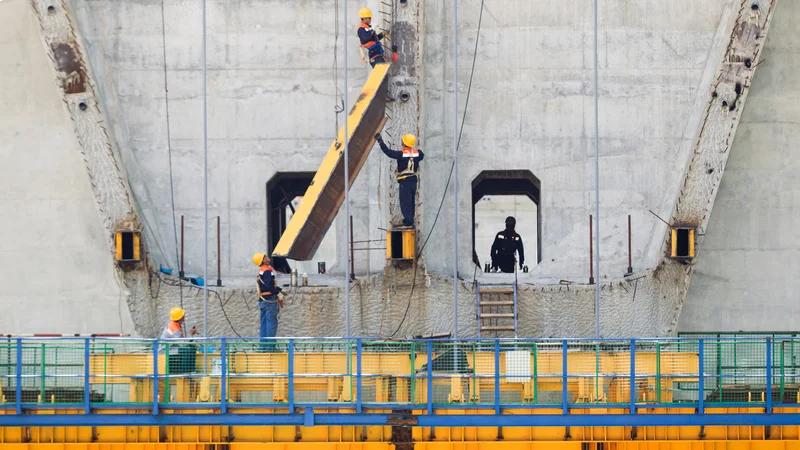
(637, 373)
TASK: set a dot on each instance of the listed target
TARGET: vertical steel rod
(219, 256)
(597, 182)
(205, 193)
(346, 189)
(181, 272)
(455, 169)
(591, 252)
(352, 258)
(630, 257)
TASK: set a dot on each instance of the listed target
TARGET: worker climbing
(270, 300)
(407, 169)
(372, 40)
(505, 246)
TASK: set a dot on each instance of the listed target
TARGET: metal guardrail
(420, 375)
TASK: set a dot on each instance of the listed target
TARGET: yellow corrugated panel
(323, 198)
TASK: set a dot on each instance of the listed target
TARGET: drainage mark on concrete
(72, 74)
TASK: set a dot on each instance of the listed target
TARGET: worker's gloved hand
(378, 137)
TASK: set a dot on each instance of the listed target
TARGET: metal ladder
(496, 313)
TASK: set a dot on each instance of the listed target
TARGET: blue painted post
(358, 376)
(769, 376)
(564, 406)
(291, 376)
(497, 376)
(87, 406)
(633, 377)
(223, 382)
(430, 376)
(18, 396)
(155, 377)
(701, 385)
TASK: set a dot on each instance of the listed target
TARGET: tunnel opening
(497, 194)
(285, 191)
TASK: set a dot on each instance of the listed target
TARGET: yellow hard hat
(364, 13)
(409, 140)
(258, 258)
(176, 314)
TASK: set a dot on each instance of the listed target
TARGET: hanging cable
(338, 108)
(450, 176)
(169, 144)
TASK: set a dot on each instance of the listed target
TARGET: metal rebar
(591, 253)
(219, 255)
(455, 164)
(181, 272)
(630, 257)
(346, 191)
(352, 258)
(597, 180)
(205, 193)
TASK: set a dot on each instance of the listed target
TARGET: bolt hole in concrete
(748, 63)
(754, 7)
(405, 96)
(714, 94)
(51, 10)
(82, 106)
(710, 171)
(724, 104)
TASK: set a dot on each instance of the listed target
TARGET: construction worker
(370, 39)
(505, 246)
(407, 168)
(174, 330)
(269, 300)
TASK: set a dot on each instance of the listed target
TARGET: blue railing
(363, 378)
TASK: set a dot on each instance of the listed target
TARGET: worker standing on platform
(370, 39)
(505, 246)
(269, 300)
(407, 168)
(174, 330)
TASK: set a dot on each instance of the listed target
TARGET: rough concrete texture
(745, 277)
(58, 268)
(530, 108)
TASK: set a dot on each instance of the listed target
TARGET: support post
(701, 384)
(181, 273)
(290, 375)
(223, 382)
(497, 376)
(358, 375)
(769, 377)
(633, 377)
(630, 257)
(429, 393)
(564, 380)
(219, 256)
(18, 395)
(591, 250)
(87, 407)
(155, 377)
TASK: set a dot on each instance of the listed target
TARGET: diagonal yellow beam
(323, 198)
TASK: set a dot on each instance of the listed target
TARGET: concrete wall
(58, 272)
(745, 278)
(531, 107)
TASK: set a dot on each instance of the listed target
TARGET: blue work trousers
(376, 55)
(269, 322)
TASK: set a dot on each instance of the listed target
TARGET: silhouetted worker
(407, 168)
(506, 244)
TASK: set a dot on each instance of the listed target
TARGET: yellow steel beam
(323, 198)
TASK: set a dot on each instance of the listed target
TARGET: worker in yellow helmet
(270, 300)
(174, 329)
(370, 39)
(407, 169)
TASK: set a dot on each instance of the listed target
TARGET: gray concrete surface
(272, 92)
(58, 272)
(745, 277)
